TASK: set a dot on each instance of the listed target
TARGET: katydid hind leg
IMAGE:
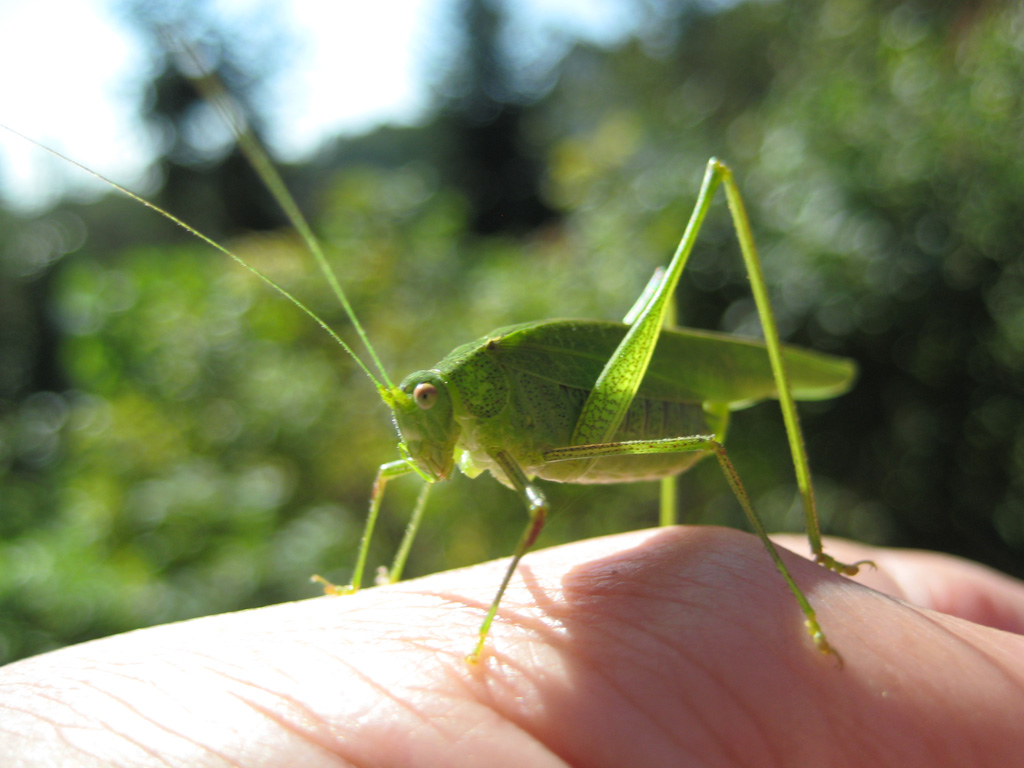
(649, 292)
(619, 381)
(794, 433)
(668, 486)
(668, 496)
(613, 392)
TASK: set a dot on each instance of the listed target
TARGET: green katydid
(593, 402)
(586, 401)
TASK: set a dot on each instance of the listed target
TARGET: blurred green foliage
(212, 448)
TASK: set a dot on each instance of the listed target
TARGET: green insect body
(522, 388)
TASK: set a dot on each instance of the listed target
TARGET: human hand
(677, 646)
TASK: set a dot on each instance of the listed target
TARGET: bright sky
(73, 74)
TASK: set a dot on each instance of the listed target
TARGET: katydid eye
(425, 396)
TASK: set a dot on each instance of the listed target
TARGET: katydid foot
(834, 565)
(332, 589)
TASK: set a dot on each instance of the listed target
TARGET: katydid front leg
(386, 472)
(533, 498)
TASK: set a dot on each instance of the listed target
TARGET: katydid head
(423, 413)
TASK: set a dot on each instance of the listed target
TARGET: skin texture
(677, 646)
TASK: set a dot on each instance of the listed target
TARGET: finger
(667, 647)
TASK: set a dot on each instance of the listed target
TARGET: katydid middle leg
(708, 444)
(537, 510)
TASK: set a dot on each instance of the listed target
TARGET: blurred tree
(477, 139)
(70, 566)
(206, 178)
(486, 106)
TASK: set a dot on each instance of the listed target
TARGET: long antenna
(210, 241)
(214, 92)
